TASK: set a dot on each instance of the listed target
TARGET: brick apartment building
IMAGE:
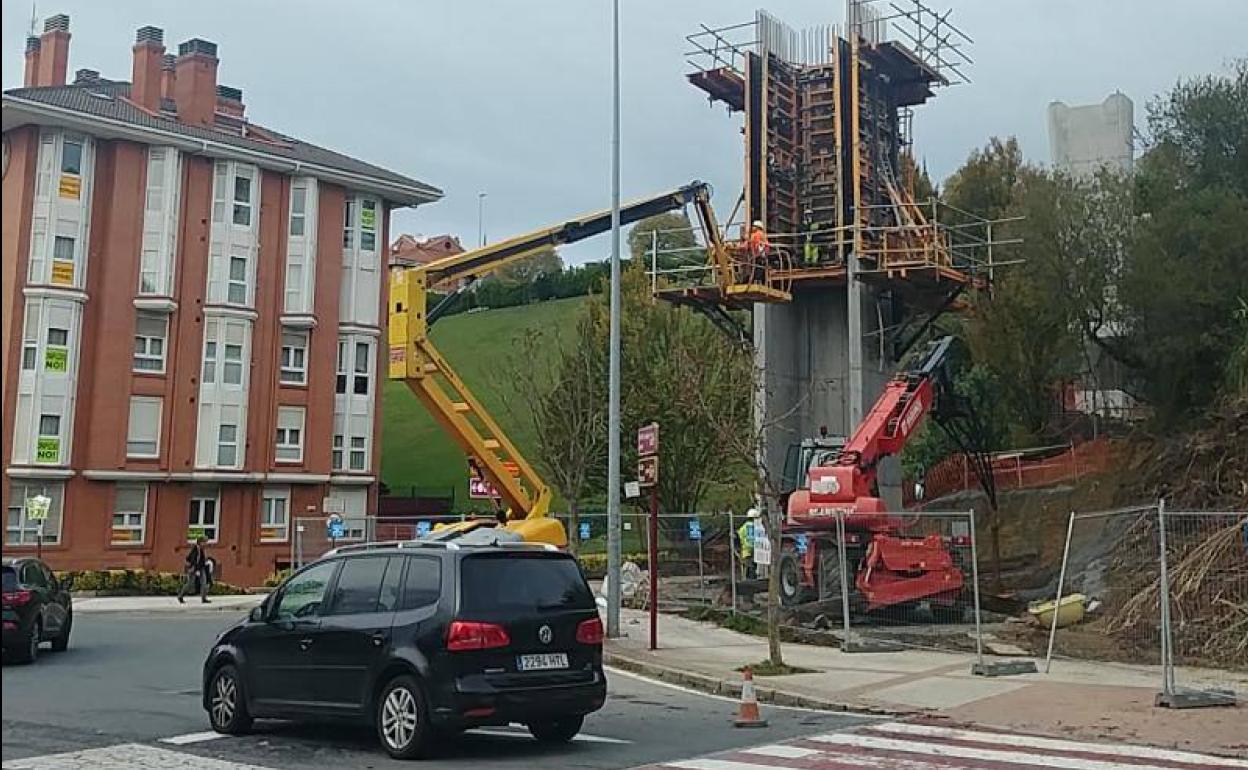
(191, 307)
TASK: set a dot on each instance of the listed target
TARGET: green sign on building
(56, 359)
(48, 450)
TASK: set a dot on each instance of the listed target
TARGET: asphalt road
(134, 678)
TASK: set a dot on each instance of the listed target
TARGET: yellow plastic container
(1069, 612)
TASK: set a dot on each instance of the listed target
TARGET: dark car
(421, 639)
(37, 609)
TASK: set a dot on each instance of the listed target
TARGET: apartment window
(340, 386)
(30, 340)
(71, 156)
(20, 528)
(362, 361)
(290, 434)
(242, 200)
(348, 224)
(129, 514)
(298, 209)
(63, 248)
(359, 450)
(274, 514)
(149, 342)
(227, 445)
(155, 179)
(336, 459)
(203, 514)
(236, 288)
(143, 434)
(368, 225)
(294, 363)
(232, 365)
(210, 362)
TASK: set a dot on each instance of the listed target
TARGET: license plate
(543, 662)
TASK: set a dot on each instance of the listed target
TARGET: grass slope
(414, 450)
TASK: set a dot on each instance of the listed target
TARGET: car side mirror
(257, 614)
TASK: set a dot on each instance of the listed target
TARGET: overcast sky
(513, 98)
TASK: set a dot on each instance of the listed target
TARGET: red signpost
(648, 476)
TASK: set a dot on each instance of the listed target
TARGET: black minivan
(421, 639)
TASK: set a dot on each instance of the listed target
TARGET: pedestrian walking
(196, 577)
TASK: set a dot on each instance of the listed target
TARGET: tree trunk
(995, 531)
(773, 593)
(574, 526)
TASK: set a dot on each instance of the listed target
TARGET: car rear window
(10, 579)
(522, 582)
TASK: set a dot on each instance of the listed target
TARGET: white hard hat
(758, 223)
(752, 513)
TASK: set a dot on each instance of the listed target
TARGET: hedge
(129, 582)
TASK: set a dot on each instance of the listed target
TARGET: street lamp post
(481, 218)
(613, 411)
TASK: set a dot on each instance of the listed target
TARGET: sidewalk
(1077, 700)
(240, 603)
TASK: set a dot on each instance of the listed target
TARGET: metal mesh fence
(1205, 622)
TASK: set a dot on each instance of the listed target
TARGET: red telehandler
(890, 569)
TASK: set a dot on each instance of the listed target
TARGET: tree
(566, 403)
(675, 239)
(526, 271)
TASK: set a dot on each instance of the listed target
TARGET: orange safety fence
(1017, 469)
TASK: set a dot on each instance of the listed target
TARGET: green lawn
(414, 450)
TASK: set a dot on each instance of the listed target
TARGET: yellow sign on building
(71, 186)
(63, 272)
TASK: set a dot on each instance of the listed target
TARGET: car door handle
(305, 643)
(379, 639)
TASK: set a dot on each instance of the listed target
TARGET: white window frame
(25, 529)
(338, 452)
(30, 338)
(348, 222)
(292, 371)
(288, 444)
(147, 430)
(243, 285)
(341, 379)
(228, 361)
(132, 520)
(274, 519)
(222, 444)
(365, 347)
(143, 343)
(196, 518)
(359, 447)
(299, 193)
(242, 205)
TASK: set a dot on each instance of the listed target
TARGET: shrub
(126, 582)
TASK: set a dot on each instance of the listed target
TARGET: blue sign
(422, 528)
(695, 529)
(801, 544)
(337, 529)
(584, 528)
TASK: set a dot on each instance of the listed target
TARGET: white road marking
(718, 764)
(690, 691)
(182, 740)
(863, 741)
(510, 732)
(125, 756)
(782, 750)
(1055, 744)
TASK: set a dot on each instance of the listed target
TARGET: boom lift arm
(414, 360)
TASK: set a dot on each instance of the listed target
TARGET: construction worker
(745, 542)
(758, 249)
(810, 249)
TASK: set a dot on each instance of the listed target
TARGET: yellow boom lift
(415, 360)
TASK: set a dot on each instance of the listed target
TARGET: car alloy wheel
(224, 699)
(399, 718)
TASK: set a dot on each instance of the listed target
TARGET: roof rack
(449, 545)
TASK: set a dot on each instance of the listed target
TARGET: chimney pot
(85, 76)
(168, 62)
(31, 75)
(58, 22)
(197, 46)
(150, 35)
(32, 44)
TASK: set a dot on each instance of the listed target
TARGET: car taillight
(16, 598)
(466, 635)
(590, 632)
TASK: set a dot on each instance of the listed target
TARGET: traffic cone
(747, 715)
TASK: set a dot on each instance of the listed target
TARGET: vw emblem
(545, 635)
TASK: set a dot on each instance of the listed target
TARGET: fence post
(1057, 600)
(732, 560)
(1167, 662)
(979, 631)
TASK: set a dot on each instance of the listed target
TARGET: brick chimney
(195, 82)
(54, 51)
(145, 77)
(230, 101)
(168, 63)
(32, 62)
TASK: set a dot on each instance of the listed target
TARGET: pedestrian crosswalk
(125, 756)
(916, 746)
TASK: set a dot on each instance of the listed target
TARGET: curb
(716, 686)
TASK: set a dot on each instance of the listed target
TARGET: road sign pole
(39, 541)
(654, 566)
(613, 398)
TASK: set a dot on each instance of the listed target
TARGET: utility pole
(481, 217)
(613, 409)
